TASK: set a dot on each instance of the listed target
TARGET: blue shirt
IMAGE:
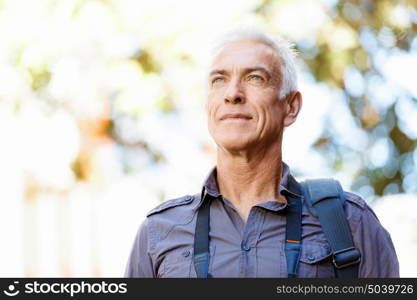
(163, 246)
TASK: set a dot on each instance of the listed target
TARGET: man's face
(244, 109)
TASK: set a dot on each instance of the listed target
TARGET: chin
(237, 143)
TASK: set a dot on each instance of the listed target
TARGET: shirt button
(186, 253)
(311, 257)
(245, 247)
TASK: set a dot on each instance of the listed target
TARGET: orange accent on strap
(291, 241)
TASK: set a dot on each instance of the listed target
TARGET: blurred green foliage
(363, 21)
(357, 32)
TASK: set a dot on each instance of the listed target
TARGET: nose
(234, 93)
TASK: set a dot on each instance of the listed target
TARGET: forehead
(246, 54)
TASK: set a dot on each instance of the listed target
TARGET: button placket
(245, 247)
(249, 240)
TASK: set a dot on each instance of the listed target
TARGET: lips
(236, 116)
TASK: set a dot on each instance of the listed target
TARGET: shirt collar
(288, 186)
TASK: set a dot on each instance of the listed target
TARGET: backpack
(325, 200)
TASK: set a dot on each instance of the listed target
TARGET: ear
(293, 107)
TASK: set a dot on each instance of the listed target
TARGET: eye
(217, 80)
(255, 78)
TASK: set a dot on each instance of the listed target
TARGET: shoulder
(355, 208)
(173, 204)
(354, 199)
(379, 258)
(360, 214)
(173, 212)
(169, 215)
(363, 221)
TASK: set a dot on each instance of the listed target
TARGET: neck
(247, 179)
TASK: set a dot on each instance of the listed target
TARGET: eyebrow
(217, 71)
(245, 71)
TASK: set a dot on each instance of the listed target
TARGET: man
(252, 97)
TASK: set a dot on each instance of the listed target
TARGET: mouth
(236, 117)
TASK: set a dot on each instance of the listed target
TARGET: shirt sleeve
(378, 257)
(140, 262)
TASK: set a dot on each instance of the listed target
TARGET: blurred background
(102, 117)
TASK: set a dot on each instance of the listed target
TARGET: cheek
(217, 93)
(213, 103)
(211, 112)
(271, 114)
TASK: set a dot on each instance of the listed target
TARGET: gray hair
(282, 47)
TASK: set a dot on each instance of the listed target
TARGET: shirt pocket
(315, 261)
(179, 263)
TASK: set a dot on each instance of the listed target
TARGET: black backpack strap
(293, 235)
(325, 197)
(201, 238)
